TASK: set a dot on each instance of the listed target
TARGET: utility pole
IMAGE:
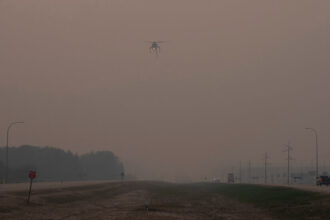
(240, 171)
(288, 149)
(317, 151)
(249, 172)
(266, 158)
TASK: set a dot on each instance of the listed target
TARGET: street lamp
(8, 129)
(317, 150)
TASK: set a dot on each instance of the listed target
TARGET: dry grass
(127, 201)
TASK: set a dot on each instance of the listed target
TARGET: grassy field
(167, 201)
(281, 202)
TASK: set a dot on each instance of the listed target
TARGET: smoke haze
(234, 80)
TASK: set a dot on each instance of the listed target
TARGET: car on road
(323, 180)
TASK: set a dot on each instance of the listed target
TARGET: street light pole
(7, 141)
(317, 150)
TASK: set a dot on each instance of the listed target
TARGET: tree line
(53, 164)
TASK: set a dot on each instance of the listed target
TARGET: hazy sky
(236, 78)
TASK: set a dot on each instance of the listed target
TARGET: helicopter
(155, 48)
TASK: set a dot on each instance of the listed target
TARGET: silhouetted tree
(101, 165)
(53, 164)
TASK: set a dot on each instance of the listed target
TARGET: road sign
(32, 174)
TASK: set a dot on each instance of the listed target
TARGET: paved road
(322, 189)
(46, 185)
(312, 188)
(60, 185)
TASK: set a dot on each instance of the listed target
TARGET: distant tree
(53, 164)
(101, 165)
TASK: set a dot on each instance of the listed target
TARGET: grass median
(281, 202)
